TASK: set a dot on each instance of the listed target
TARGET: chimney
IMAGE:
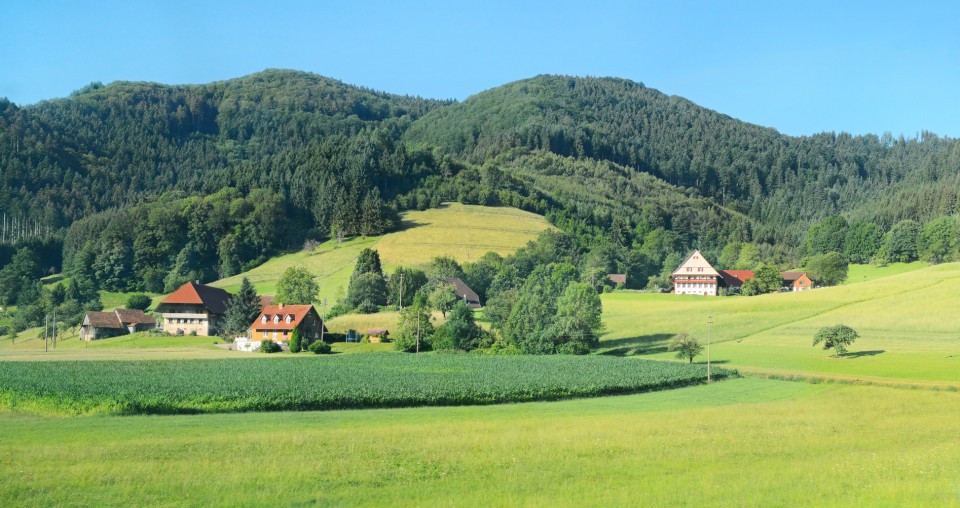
(281, 306)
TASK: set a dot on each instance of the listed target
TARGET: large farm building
(696, 276)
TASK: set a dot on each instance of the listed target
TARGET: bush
(367, 307)
(320, 348)
(139, 301)
(269, 346)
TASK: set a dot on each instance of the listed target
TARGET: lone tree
(443, 298)
(836, 337)
(685, 346)
(296, 287)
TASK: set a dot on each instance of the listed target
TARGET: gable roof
(213, 299)
(464, 292)
(296, 313)
(103, 320)
(119, 318)
(735, 278)
(617, 278)
(695, 261)
(133, 317)
(791, 276)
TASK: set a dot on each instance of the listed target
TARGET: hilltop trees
(862, 242)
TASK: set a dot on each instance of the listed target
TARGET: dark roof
(134, 317)
(377, 331)
(735, 278)
(103, 320)
(617, 278)
(791, 276)
(119, 318)
(464, 292)
(213, 299)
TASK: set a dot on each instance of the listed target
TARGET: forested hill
(109, 146)
(327, 148)
(778, 180)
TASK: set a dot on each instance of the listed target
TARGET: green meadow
(746, 442)
(908, 327)
(464, 232)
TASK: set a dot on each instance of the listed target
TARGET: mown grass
(907, 325)
(464, 232)
(743, 442)
(305, 383)
(864, 273)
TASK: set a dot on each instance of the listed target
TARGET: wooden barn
(468, 295)
(101, 325)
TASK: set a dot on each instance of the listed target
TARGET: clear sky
(801, 67)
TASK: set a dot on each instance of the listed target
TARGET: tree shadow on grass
(858, 354)
(639, 345)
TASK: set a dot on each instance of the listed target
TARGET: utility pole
(401, 290)
(418, 330)
(46, 326)
(709, 326)
(323, 318)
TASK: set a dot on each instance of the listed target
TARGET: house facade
(695, 276)
(277, 322)
(193, 309)
(796, 281)
(101, 325)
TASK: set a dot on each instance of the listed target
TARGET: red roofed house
(695, 276)
(100, 325)
(734, 279)
(277, 322)
(193, 308)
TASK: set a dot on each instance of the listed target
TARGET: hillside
(777, 180)
(906, 332)
(463, 232)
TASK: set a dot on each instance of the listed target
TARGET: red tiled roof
(736, 277)
(296, 313)
(213, 299)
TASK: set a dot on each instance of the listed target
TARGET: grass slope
(743, 442)
(907, 322)
(351, 381)
(464, 232)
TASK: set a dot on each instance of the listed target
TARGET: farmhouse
(100, 325)
(193, 308)
(277, 322)
(734, 279)
(695, 276)
(796, 281)
(463, 291)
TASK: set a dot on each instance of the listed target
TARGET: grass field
(864, 273)
(744, 442)
(464, 232)
(908, 325)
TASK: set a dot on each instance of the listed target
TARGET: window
(276, 319)
(263, 320)
(689, 269)
(700, 269)
(289, 318)
(264, 333)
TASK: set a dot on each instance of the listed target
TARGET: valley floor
(746, 442)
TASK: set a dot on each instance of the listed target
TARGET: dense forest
(137, 186)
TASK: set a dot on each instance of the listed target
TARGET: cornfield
(311, 383)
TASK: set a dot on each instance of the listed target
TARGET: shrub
(295, 343)
(269, 346)
(139, 301)
(367, 307)
(320, 348)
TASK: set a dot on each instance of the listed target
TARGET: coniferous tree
(242, 309)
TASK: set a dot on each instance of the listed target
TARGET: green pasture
(863, 273)
(464, 232)
(745, 442)
(908, 325)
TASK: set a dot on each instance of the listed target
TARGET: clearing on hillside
(464, 232)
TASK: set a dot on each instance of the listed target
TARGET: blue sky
(801, 68)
